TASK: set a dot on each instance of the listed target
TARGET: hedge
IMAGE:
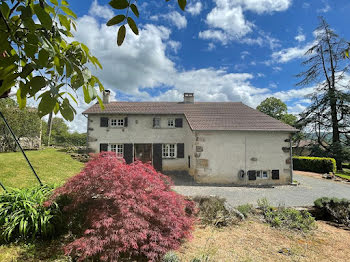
(314, 164)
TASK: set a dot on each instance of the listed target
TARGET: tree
(24, 123)
(39, 58)
(128, 7)
(330, 107)
(275, 108)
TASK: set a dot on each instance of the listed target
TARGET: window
(156, 122)
(118, 149)
(168, 150)
(117, 122)
(171, 122)
(264, 174)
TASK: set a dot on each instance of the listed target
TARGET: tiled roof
(201, 115)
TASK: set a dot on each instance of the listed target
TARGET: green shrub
(314, 164)
(334, 209)
(212, 211)
(23, 214)
(246, 209)
(170, 257)
(287, 217)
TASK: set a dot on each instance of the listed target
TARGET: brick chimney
(106, 96)
(188, 98)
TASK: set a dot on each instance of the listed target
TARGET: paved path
(302, 195)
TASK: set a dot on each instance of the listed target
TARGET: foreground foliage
(23, 215)
(214, 211)
(119, 211)
(334, 209)
(288, 218)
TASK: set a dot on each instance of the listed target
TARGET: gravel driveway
(302, 195)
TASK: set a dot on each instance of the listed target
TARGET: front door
(143, 152)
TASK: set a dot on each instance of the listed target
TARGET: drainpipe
(291, 157)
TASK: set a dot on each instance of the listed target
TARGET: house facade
(224, 143)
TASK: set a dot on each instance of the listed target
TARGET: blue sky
(222, 50)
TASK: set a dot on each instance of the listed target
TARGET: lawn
(344, 174)
(52, 166)
(251, 240)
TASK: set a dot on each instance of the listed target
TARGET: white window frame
(117, 122)
(171, 122)
(117, 148)
(155, 121)
(261, 175)
(169, 150)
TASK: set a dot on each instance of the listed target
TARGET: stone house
(215, 142)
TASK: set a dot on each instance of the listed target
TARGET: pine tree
(329, 111)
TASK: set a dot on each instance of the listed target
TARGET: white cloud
(194, 8)
(176, 19)
(300, 37)
(100, 11)
(174, 45)
(227, 21)
(325, 9)
(291, 53)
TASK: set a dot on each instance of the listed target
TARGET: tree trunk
(49, 127)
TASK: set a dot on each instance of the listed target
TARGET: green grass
(344, 174)
(52, 166)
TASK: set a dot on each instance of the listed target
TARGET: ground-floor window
(262, 174)
(117, 148)
(169, 150)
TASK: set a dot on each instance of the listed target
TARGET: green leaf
(44, 18)
(64, 21)
(67, 110)
(47, 104)
(5, 9)
(68, 11)
(182, 4)
(119, 4)
(101, 103)
(43, 57)
(116, 20)
(133, 25)
(55, 2)
(64, 2)
(22, 101)
(87, 97)
(135, 10)
(36, 84)
(347, 53)
(121, 35)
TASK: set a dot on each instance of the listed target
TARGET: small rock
(285, 251)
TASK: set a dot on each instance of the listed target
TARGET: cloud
(325, 9)
(291, 53)
(178, 20)
(300, 37)
(100, 11)
(194, 8)
(227, 21)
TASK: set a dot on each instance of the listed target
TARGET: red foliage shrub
(123, 211)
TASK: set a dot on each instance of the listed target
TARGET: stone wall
(29, 143)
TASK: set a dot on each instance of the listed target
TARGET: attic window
(171, 122)
(117, 122)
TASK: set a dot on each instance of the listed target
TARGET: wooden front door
(143, 152)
